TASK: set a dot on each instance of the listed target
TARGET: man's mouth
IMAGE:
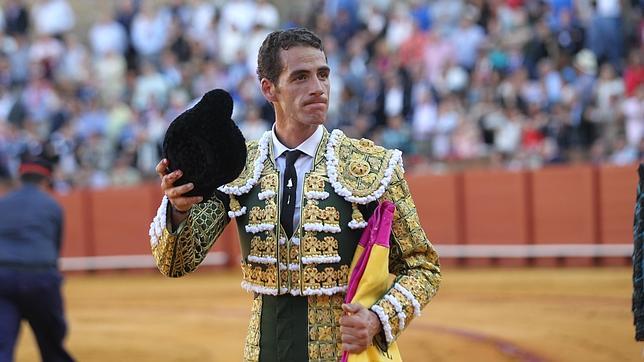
(316, 103)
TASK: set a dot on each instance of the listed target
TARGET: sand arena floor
(479, 315)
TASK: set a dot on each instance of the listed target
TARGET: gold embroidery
(415, 260)
(329, 246)
(356, 215)
(361, 165)
(327, 278)
(311, 277)
(178, 255)
(234, 204)
(327, 351)
(329, 216)
(310, 244)
(269, 182)
(255, 216)
(258, 276)
(314, 183)
(251, 347)
(294, 254)
(314, 351)
(270, 212)
(311, 213)
(324, 330)
(365, 145)
(314, 247)
(267, 215)
(408, 308)
(283, 254)
(262, 247)
(390, 310)
(295, 279)
(359, 168)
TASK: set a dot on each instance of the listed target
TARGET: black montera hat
(206, 145)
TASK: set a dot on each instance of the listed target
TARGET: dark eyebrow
(297, 72)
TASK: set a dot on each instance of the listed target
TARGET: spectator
(605, 37)
(53, 17)
(151, 88)
(633, 110)
(124, 174)
(634, 72)
(75, 64)
(452, 69)
(108, 36)
(253, 127)
(397, 135)
(623, 153)
(16, 18)
(266, 15)
(149, 31)
(110, 73)
(239, 15)
(468, 37)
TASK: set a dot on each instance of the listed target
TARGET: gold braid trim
(251, 347)
(412, 259)
(257, 152)
(178, 254)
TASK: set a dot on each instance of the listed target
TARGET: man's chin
(316, 119)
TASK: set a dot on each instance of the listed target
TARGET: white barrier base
(534, 251)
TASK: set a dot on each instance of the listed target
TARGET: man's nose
(317, 88)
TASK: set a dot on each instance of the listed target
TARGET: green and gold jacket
(311, 268)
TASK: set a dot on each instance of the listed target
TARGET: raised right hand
(175, 193)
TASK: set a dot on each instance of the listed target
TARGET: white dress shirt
(302, 165)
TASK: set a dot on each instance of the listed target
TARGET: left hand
(358, 327)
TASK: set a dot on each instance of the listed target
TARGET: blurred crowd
(515, 84)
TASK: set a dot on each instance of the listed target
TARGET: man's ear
(268, 89)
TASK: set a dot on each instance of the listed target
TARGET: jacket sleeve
(412, 259)
(179, 252)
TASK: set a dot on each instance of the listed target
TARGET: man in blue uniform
(30, 242)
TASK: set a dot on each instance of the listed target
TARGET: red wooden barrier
(547, 207)
(617, 189)
(76, 241)
(435, 197)
(496, 207)
(496, 211)
(122, 218)
(564, 211)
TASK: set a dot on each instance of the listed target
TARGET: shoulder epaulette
(359, 170)
(257, 154)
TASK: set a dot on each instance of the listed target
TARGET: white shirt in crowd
(108, 37)
(53, 17)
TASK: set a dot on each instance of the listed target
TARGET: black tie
(288, 192)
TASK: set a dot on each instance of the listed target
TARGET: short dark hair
(269, 63)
